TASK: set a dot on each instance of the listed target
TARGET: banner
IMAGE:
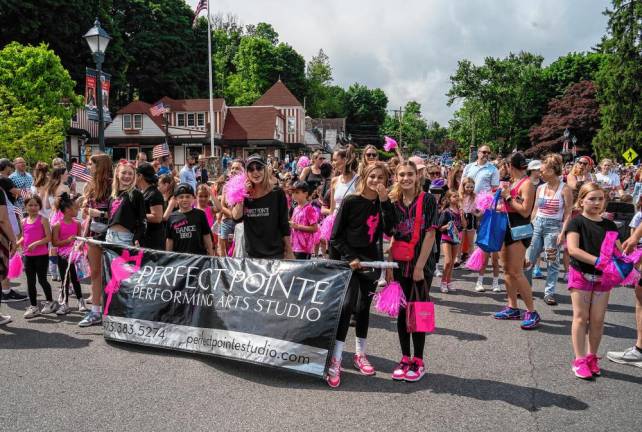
(90, 95)
(277, 313)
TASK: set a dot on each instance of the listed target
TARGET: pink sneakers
(593, 364)
(416, 371)
(362, 364)
(581, 368)
(399, 374)
(333, 378)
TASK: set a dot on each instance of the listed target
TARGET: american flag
(160, 150)
(80, 172)
(200, 7)
(158, 109)
(25, 193)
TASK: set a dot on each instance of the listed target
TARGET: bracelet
(597, 261)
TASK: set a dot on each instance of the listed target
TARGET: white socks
(338, 350)
(360, 345)
(6, 291)
(95, 308)
(480, 280)
(495, 280)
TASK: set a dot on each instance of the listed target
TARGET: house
(274, 125)
(325, 133)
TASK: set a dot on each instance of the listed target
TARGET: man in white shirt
(484, 173)
(187, 174)
(607, 178)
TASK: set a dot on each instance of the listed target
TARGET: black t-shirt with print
(154, 236)
(128, 210)
(592, 235)
(186, 230)
(265, 223)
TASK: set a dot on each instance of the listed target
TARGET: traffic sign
(630, 155)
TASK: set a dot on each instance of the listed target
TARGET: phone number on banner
(135, 329)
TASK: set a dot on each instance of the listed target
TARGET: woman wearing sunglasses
(312, 174)
(580, 174)
(264, 214)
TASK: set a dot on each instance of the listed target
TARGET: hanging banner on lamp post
(91, 105)
(276, 313)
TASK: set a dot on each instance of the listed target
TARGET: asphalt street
(483, 375)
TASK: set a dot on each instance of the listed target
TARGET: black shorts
(471, 221)
(516, 220)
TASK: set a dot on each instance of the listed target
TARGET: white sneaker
(438, 273)
(450, 287)
(4, 319)
(497, 287)
(31, 312)
(49, 307)
(479, 286)
(82, 307)
(443, 288)
(64, 309)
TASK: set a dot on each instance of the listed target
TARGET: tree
(318, 76)
(366, 112)
(255, 68)
(37, 100)
(570, 69)
(577, 110)
(409, 130)
(289, 66)
(618, 81)
(263, 30)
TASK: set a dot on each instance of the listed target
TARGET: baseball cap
(518, 161)
(184, 188)
(534, 165)
(301, 185)
(418, 161)
(148, 172)
(255, 158)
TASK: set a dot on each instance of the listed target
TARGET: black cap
(255, 158)
(184, 188)
(517, 160)
(301, 185)
(148, 172)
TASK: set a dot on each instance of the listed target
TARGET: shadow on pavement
(29, 338)
(611, 374)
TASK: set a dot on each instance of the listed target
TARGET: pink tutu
(325, 231)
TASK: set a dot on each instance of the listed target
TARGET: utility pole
(399, 115)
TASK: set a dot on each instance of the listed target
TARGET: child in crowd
(304, 222)
(451, 222)
(204, 203)
(470, 215)
(188, 230)
(637, 218)
(35, 244)
(64, 235)
(585, 235)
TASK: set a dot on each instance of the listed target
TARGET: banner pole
(209, 68)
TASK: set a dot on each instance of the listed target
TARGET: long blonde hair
(395, 193)
(363, 177)
(115, 185)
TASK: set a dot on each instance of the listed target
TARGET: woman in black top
(146, 181)
(356, 236)
(312, 174)
(264, 214)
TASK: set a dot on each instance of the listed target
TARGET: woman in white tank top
(551, 213)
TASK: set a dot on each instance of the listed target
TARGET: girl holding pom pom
(470, 215)
(304, 223)
(406, 195)
(226, 222)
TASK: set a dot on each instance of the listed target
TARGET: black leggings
(72, 277)
(358, 298)
(37, 266)
(418, 339)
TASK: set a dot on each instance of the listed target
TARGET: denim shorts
(121, 238)
(226, 228)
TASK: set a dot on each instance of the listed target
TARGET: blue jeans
(545, 232)
(121, 238)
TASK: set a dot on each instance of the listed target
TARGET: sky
(409, 48)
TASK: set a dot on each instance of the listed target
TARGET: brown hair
(99, 188)
(34, 197)
(40, 174)
(464, 182)
(366, 172)
(445, 200)
(554, 162)
(395, 192)
(348, 153)
(168, 179)
(586, 189)
(55, 180)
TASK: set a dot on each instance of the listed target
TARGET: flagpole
(209, 64)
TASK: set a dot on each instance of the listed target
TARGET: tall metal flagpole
(209, 67)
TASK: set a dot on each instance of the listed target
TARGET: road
(483, 375)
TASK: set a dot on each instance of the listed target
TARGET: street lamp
(98, 39)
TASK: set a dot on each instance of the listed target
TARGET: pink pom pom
(483, 201)
(15, 267)
(390, 299)
(390, 144)
(326, 227)
(475, 261)
(235, 191)
(303, 162)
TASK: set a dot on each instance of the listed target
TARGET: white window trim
(193, 118)
(127, 116)
(184, 119)
(198, 124)
(134, 121)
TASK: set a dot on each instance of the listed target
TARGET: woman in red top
(519, 198)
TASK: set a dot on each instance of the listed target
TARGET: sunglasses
(255, 167)
(434, 173)
(583, 163)
(484, 152)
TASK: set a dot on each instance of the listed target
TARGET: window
(180, 119)
(127, 121)
(190, 120)
(291, 125)
(138, 121)
(119, 153)
(200, 119)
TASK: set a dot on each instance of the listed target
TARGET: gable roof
(140, 107)
(277, 95)
(250, 123)
(192, 105)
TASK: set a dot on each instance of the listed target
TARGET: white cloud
(410, 48)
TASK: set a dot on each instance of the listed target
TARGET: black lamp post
(98, 39)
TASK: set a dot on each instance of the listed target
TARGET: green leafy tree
(263, 30)
(255, 68)
(366, 112)
(289, 66)
(570, 69)
(37, 100)
(318, 77)
(409, 130)
(618, 81)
